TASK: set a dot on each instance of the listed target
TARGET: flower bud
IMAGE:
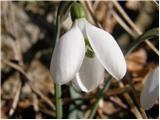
(77, 11)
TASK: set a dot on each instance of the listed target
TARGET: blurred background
(27, 40)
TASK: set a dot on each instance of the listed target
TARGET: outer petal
(81, 23)
(90, 75)
(150, 91)
(68, 56)
(107, 51)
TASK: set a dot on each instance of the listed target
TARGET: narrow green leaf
(64, 8)
(147, 35)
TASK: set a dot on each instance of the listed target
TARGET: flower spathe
(69, 62)
(150, 91)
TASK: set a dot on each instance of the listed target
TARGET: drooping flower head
(150, 91)
(82, 54)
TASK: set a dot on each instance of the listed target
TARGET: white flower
(150, 91)
(70, 64)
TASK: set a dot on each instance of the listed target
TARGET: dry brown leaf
(42, 79)
(24, 103)
(136, 60)
(101, 10)
(133, 5)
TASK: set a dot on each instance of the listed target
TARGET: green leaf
(152, 33)
(64, 8)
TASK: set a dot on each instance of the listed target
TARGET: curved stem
(62, 10)
(59, 113)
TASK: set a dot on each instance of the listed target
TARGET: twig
(10, 24)
(35, 106)
(46, 111)
(156, 4)
(35, 102)
(91, 10)
(100, 113)
(133, 25)
(42, 96)
(95, 5)
(16, 99)
(19, 69)
(134, 109)
(120, 104)
(123, 24)
(136, 100)
(118, 91)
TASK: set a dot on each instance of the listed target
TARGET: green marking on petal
(89, 51)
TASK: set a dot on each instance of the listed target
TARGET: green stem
(100, 96)
(147, 35)
(59, 113)
(62, 10)
(58, 29)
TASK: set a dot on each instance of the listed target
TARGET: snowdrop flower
(150, 91)
(83, 53)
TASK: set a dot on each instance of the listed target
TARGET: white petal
(68, 56)
(150, 91)
(107, 51)
(90, 75)
(81, 24)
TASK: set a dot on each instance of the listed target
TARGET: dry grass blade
(91, 11)
(134, 109)
(123, 24)
(10, 24)
(120, 104)
(132, 24)
(156, 4)
(11, 28)
(16, 99)
(19, 69)
(35, 106)
(136, 100)
(47, 100)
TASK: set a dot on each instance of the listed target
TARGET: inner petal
(90, 75)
